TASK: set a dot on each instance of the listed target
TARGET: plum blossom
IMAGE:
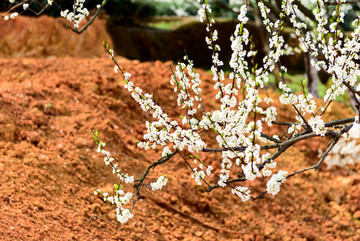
(159, 184)
(242, 192)
(318, 125)
(354, 132)
(273, 185)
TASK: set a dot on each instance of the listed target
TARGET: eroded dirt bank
(49, 166)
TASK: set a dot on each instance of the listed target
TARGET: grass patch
(294, 80)
(165, 25)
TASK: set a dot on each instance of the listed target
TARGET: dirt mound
(49, 166)
(47, 36)
(146, 44)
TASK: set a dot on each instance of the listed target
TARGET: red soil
(49, 166)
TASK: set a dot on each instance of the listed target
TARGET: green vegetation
(293, 81)
(165, 24)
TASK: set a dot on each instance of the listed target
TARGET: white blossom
(354, 132)
(25, 6)
(318, 125)
(242, 192)
(159, 184)
(123, 215)
(77, 15)
(116, 69)
(273, 185)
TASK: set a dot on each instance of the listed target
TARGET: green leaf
(116, 187)
(95, 135)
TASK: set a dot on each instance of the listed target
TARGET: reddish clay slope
(49, 166)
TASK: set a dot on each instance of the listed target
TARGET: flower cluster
(273, 185)
(120, 198)
(242, 192)
(355, 130)
(12, 16)
(344, 153)
(77, 15)
(184, 86)
(163, 130)
(318, 125)
(25, 6)
(159, 184)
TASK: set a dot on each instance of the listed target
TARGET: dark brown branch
(239, 148)
(227, 182)
(335, 140)
(140, 181)
(224, 6)
(307, 12)
(351, 88)
(317, 165)
(270, 138)
(260, 196)
(301, 136)
(193, 169)
(339, 122)
(282, 123)
(16, 6)
(302, 117)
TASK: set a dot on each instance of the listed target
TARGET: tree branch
(76, 30)
(140, 181)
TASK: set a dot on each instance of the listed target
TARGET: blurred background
(149, 30)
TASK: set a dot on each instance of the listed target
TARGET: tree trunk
(353, 101)
(312, 77)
